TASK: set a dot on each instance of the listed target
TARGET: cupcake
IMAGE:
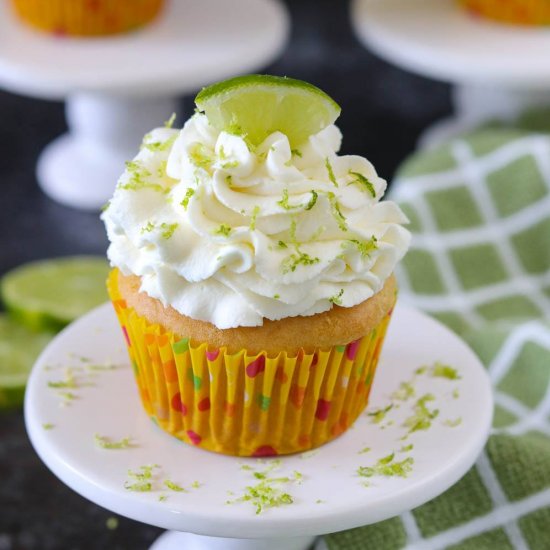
(87, 17)
(519, 12)
(252, 270)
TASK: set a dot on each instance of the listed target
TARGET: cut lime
(50, 294)
(19, 349)
(258, 105)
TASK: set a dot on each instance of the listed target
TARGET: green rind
(74, 285)
(245, 81)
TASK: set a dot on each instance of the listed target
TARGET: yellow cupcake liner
(247, 404)
(87, 17)
(520, 12)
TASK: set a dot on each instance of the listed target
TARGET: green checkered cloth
(480, 263)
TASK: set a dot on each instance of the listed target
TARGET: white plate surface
(107, 404)
(193, 42)
(438, 39)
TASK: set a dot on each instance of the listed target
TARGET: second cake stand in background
(338, 485)
(118, 88)
(497, 70)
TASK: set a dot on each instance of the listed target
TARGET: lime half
(50, 294)
(255, 106)
(19, 349)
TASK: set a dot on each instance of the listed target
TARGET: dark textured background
(384, 111)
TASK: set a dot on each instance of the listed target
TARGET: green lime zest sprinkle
(337, 298)
(362, 181)
(111, 523)
(138, 173)
(387, 467)
(143, 479)
(188, 194)
(453, 423)
(330, 171)
(147, 228)
(200, 156)
(283, 203)
(406, 391)
(170, 122)
(282, 244)
(174, 486)
(335, 211)
(196, 485)
(255, 212)
(106, 443)
(106, 206)
(407, 448)
(276, 296)
(68, 383)
(159, 146)
(48, 426)
(364, 247)
(319, 501)
(264, 495)
(161, 170)
(230, 165)
(223, 230)
(168, 229)
(67, 395)
(162, 498)
(456, 393)
(444, 371)
(380, 414)
(422, 417)
(312, 201)
(421, 370)
(290, 263)
(296, 152)
(246, 467)
(364, 450)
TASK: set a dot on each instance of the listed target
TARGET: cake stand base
(172, 540)
(80, 169)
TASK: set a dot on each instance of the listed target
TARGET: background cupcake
(521, 12)
(254, 270)
(87, 17)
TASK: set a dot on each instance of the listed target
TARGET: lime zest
(364, 247)
(159, 146)
(199, 157)
(255, 212)
(386, 467)
(282, 244)
(296, 153)
(147, 228)
(170, 122)
(406, 391)
(196, 485)
(363, 182)
(407, 448)
(188, 194)
(143, 479)
(335, 211)
(379, 414)
(68, 383)
(453, 423)
(456, 393)
(439, 370)
(330, 171)
(312, 201)
(136, 182)
(162, 498)
(174, 486)
(422, 417)
(276, 296)
(284, 201)
(223, 230)
(290, 263)
(364, 450)
(48, 426)
(168, 229)
(337, 299)
(106, 443)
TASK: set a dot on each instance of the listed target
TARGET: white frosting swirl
(231, 234)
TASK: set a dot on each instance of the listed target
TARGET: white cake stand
(498, 70)
(119, 88)
(331, 497)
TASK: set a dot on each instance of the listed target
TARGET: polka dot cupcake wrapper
(243, 404)
(521, 12)
(87, 17)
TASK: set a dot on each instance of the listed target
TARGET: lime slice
(258, 105)
(50, 294)
(19, 349)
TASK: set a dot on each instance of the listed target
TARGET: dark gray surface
(384, 111)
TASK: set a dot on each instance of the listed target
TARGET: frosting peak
(231, 234)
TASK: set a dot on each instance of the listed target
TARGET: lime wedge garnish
(19, 348)
(50, 294)
(255, 106)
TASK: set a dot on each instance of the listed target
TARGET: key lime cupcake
(519, 12)
(87, 17)
(253, 270)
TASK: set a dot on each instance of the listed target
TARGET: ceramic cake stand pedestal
(118, 88)
(331, 496)
(497, 70)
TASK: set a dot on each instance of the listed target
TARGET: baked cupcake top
(233, 232)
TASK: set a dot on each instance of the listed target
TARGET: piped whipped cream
(233, 234)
